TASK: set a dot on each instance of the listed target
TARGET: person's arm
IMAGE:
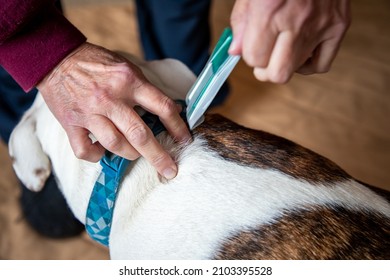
(280, 37)
(34, 38)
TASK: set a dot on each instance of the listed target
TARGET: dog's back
(338, 219)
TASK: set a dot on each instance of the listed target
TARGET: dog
(239, 193)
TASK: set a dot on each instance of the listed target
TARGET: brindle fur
(316, 232)
(263, 150)
(322, 233)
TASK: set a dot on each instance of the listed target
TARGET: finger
(110, 138)
(153, 152)
(238, 23)
(258, 39)
(142, 139)
(152, 100)
(282, 63)
(82, 145)
(322, 59)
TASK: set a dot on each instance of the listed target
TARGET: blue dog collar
(102, 201)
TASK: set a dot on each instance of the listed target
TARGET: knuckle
(279, 77)
(69, 117)
(255, 57)
(81, 152)
(343, 27)
(100, 93)
(347, 21)
(112, 143)
(259, 74)
(127, 74)
(133, 155)
(101, 96)
(252, 59)
(270, 75)
(168, 107)
(138, 135)
(344, 18)
(323, 68)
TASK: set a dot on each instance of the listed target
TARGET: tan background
(343, 115)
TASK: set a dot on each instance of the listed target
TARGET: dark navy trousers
(13, 103)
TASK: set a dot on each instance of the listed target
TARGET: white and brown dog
(239, 193)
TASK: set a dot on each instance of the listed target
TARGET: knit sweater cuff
(32, 53)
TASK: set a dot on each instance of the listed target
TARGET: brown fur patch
(263, 150)
(322, 233)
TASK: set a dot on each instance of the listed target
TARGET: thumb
(238, 20)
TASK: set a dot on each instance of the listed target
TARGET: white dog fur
(215, 205)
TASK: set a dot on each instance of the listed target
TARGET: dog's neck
(80, 176)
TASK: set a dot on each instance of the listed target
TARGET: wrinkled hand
(280, 37)
(94, 90)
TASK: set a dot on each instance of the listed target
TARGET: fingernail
(169, 173)
(232, 48)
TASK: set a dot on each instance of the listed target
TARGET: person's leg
(14, 102)
(177, 29)
(46, 211)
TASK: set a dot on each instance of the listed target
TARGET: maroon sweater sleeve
(34, 38)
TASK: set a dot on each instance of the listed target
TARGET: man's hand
(280, 37)
(94, 90)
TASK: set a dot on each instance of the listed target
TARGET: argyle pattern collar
(102, 201)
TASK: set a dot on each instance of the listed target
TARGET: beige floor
(343, 115)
